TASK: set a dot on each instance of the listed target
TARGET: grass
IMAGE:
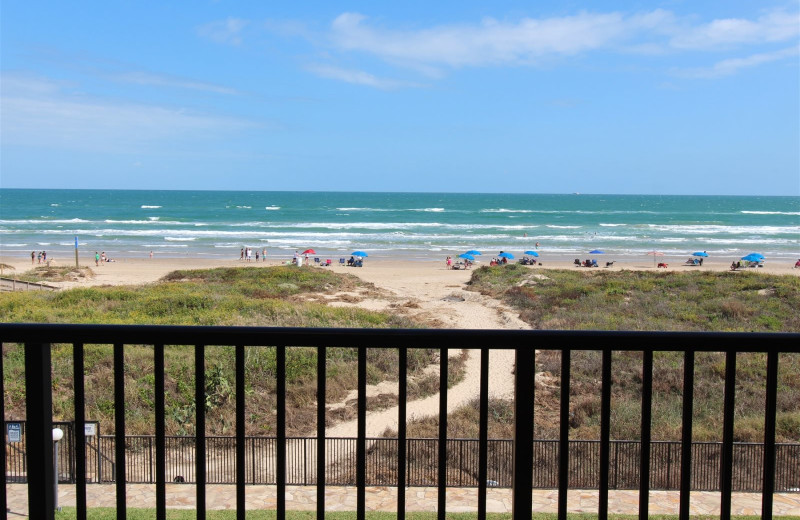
(636, 300)
(276, 296)
(641, 300)
(172, 514)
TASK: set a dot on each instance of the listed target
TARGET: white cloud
(493, 42)
(227, 31)
(530, 40)
(158, 80)
(358, 77)
(775, 26)
(732, 66)
(36, 112)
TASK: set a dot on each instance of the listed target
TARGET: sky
(671, 97)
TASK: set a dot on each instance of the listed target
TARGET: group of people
(101, 257)
(694, 261)
(450, 264)
(41, 256)
(246, 254)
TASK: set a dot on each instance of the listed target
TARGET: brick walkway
(223, 496)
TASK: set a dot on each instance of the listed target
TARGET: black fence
(381, 467)
(526, 455)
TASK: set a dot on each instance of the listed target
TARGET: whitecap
(150, 207)
(771, 212)
(272, 208)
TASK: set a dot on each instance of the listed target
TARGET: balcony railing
(40, 469)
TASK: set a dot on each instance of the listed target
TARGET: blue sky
(667, 97)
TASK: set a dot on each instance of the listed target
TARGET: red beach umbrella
(309, 252)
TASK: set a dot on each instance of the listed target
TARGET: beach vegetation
(277, 296)
(638, 300)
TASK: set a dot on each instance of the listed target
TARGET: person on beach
(256, 255)
(96, 258)
(449, 262)
(241, 254)
(537, 245)
(33, 256)
(264, 255)
(44, 256)
(296, 259)
(103, 256)
(39, 257)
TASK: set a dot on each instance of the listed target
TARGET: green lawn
(146, 514)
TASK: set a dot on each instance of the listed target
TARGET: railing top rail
(392, 338)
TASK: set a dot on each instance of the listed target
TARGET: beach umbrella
(506, 255)
(700, 253)
(474, 252)
(596, 252)
(467, 256)
(753, 257)
(309, 252)
(532, 253)
(655, 254)
(359, 253)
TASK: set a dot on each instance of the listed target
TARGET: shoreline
(377, 270)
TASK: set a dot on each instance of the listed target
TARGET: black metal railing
(40, 470)
(463, 462)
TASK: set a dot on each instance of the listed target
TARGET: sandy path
(451, 306)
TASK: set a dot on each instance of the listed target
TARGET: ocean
(414, 226)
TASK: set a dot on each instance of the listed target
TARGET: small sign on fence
(90, 429)
(14, 432)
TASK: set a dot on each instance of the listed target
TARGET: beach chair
(342, 261)
(328, 262)
(316, 260)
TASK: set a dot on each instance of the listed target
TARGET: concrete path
(303, 498)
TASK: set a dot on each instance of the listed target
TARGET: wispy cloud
(358, 77)
(771, 27)
(160, 80)
(493, 42)
(227, 31)
(41, 112)
(530, 40)
(733, 65)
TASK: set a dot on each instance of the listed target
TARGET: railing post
(442, 458)
(200, 429)
(522, 491)
(768, 486)
(38, 432)
(605, 435)
(686, 434)
(321, 386)
(483, 434)
(240, 427)
(644, 451)
(120, 476)
(3, 502)
(161, 451)
(402, 354)
(726, 460)
(563, 441)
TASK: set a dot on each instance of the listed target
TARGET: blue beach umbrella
(596, 252)
(467, 256)
(700, 253)
(473, 252)
(753, 257)
(532, 253)
(506, 255)
(359, 253)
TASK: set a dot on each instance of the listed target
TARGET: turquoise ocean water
(216, 224)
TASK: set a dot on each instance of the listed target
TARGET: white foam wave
(613, 225)
(553, 226)
(150, 207)
(771, 212)
(180, 239)
(45, 221)
(272, 208)
(504, 210)
(734, 230)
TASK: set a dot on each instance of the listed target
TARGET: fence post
(522, 491)
(39, 437)
(3, 506)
